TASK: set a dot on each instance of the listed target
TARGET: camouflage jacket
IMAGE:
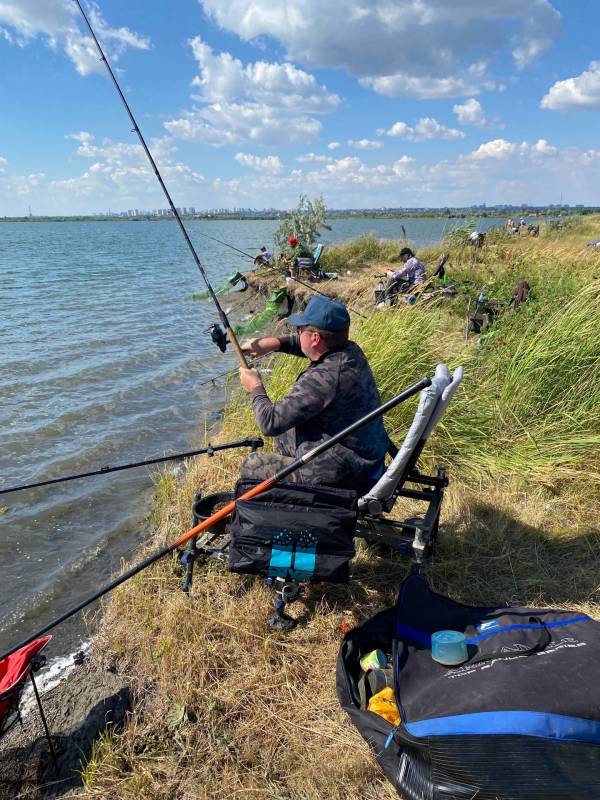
(328, 395)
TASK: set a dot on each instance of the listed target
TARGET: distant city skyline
(250, 103)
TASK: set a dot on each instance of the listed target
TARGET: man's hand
(260, 347)
(252, 347)
(250, 379)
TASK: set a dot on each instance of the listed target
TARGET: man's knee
(260, 466)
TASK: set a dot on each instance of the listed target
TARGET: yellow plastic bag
(384, 704)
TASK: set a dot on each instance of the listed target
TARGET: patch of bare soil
(88, 701)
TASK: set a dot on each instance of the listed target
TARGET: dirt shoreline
(89, 700)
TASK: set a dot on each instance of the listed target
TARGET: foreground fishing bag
(519, 720)
(294, 532)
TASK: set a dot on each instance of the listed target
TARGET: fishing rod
(226, 511)
(209, 450)
(213, 296)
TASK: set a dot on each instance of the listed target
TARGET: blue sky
(251, 102)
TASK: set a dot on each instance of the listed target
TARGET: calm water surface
(104, 360)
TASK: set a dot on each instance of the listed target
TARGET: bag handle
(541, 644)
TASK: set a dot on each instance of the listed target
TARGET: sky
(250, 103)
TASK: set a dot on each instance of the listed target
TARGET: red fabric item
(12, 668)
(13, 671)
(292, 241)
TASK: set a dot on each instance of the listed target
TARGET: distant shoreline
(433, 214)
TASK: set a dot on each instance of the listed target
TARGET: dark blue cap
(322, 312)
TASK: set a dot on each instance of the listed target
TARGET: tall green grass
(359, 252)
(529, 406)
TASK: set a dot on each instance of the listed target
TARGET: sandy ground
(91, 698)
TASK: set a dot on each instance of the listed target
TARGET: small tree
(304, 223)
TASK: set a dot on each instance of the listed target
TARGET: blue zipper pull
(390, 738)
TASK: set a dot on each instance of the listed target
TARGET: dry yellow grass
(226, 708)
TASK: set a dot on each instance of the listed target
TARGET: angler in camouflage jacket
(335, 390)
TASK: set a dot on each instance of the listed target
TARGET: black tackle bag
(294, 532)
(519, 720)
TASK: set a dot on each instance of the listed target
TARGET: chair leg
(45, 724)
(187, 559)
(286, 592)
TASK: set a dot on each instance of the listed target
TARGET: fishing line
(226, 244)
(136, 129)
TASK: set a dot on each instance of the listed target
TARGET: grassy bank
(225, 708)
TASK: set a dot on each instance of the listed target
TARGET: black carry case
(294, 532)
(519, 720)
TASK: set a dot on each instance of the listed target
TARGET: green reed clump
(530, 404)
(358, 252)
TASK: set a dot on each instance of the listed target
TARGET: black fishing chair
(310, 266)
(414, 536)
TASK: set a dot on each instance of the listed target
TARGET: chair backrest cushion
(444, 401)
(432, 404)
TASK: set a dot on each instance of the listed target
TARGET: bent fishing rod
(209, 450)
(136, 129)
(226, 510)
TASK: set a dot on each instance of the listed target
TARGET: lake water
(105, 360)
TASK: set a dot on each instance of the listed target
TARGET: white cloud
(119, 175)
(262, 102)
(82, 136)
(313, 157)
(576, 94)
(542, 148)
(223, 78)
(590, 156)
(500, 171)
(500, 149)
(427, 88)
(424, 48)
(334, 145)
(401, 165)
(270, 165)
(470, 113)
(425, 128)
(237, 123)
(59, 24)
(365, 144)
(3, 163)
(497, 148)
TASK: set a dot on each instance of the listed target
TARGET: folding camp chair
(310, 265)
(14, 671)
(415, 535)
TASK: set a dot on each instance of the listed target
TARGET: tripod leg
(43, 716)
